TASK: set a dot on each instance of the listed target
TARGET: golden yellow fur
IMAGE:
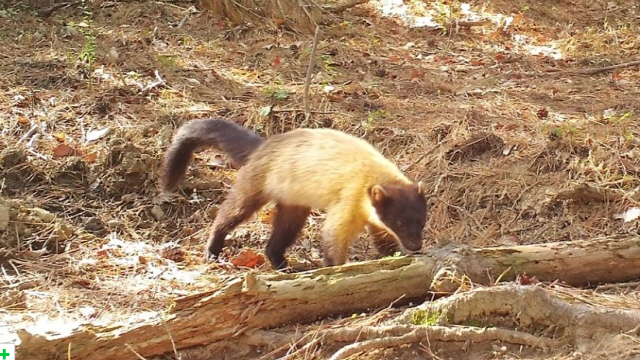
(346, 166)
(303, 169)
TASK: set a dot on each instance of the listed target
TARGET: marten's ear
(420, 186)
(378, 194)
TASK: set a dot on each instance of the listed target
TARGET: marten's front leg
(384, 242)
(338, 232)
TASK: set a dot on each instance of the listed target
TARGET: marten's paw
(210, 257)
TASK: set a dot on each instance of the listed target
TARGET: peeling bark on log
(259, 301)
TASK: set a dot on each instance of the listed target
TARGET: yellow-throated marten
(300, 170)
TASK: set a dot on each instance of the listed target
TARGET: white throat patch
(374, 219)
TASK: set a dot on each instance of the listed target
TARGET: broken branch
(307, 106)
(345, 6)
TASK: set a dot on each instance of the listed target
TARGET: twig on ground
(32, 141)
(33, 129)
(191, 10)
(37, 154)
(173, 343)
(316, 337)
(154, 84)
(345, 6)
(133, 351)
(307, 107)
(389, 336)
(618, 285)
(593, 71)
(302, 110)
(49, 11)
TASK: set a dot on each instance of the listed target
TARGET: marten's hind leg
(236, 209)
(385, 243)
(287, 223)
(338, 232)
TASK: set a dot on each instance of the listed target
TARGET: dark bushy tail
(236, 141)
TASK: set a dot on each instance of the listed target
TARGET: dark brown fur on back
(236, 141)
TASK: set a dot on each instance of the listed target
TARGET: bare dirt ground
(504, 133)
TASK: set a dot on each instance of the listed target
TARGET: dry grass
(416, 94)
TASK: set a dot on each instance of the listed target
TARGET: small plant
(133, 75)
(375, 116)
(330, 65)
(166, 60)
(9, 12)
(277, 93)
(87, 54)
(613, 119)
(558, 132)
(396, 254)
(424, 317)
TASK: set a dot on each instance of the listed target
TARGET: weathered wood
(258, 301)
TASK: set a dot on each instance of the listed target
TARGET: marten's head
(402, 209)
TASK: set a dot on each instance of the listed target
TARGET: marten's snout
(413, 245)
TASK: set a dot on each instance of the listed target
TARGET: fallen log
(259, 301)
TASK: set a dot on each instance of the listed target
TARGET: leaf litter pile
(512, 114)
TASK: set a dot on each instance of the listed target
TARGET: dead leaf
(394, 58)
(629, 215)
(60, 136)
(508, 149)
(96, 134)
(477, 63)
(22, 120)
(495, 34)
(217, 161)
(335, 96)
(500, 57)
(524, 279)
(445, 88)
(33, 254)
(517, 19)
(277, 61)
(278, 22)
(128, 198)
(187, 231)
(248, 258)
(417, 74)
(63, 150)
(266, 216)
(102, 253)
(90, 157)
(83, 283)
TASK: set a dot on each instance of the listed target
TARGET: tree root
(390, 336)
(529, 305)
(579, 323)
(367, 337)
